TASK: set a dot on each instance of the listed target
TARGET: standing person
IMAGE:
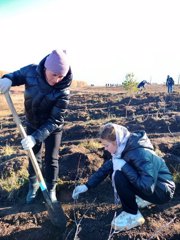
(169, 84)
(46, 101)
(135, 170)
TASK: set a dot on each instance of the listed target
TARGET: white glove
(78, 190)
(5, 84)
(118, 163)
(28, 142)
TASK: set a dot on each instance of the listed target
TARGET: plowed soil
(90, 217)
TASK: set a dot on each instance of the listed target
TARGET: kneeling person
(139, 176)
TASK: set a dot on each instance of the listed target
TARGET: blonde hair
(107, 132)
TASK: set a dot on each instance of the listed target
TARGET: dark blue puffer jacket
(144, 169)
(45, 105)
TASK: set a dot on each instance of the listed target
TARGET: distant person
(139, 176)
(46, 101)
(142, 84)
(169, 84)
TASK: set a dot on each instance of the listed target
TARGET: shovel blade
(57, 216)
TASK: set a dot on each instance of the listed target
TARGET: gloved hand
(28, 142)
(5, 84)
(118, 163)
(78, 190)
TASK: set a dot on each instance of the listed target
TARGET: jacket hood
(66, 81)
(138, 139)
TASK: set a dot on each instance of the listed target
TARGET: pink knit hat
(57, 62)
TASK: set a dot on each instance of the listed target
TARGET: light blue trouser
(170, 88)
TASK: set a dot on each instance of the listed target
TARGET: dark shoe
(33, 189)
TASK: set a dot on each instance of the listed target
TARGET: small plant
(78, 221)
(112, 231)
(130, 83)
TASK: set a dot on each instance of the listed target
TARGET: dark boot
(33, 188)
(52, 191)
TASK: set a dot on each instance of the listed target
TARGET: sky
(104, 39)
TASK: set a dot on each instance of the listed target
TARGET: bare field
(153, 110)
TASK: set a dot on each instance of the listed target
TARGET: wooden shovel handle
(23, 135)
(55, 211)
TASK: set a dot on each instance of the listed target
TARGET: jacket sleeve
(18, 77)
(100, 175)
(140, 171)
(56, 119)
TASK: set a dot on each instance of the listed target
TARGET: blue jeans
(170, 88)
(51, 159)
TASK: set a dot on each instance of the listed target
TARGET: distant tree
(130, 83)
(76, 84)
(2, 73)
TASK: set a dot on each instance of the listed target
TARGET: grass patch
(92, 145)
(14, 181)
(176, 177)
(8, 150)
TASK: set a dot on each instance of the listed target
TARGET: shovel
(55, 211)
